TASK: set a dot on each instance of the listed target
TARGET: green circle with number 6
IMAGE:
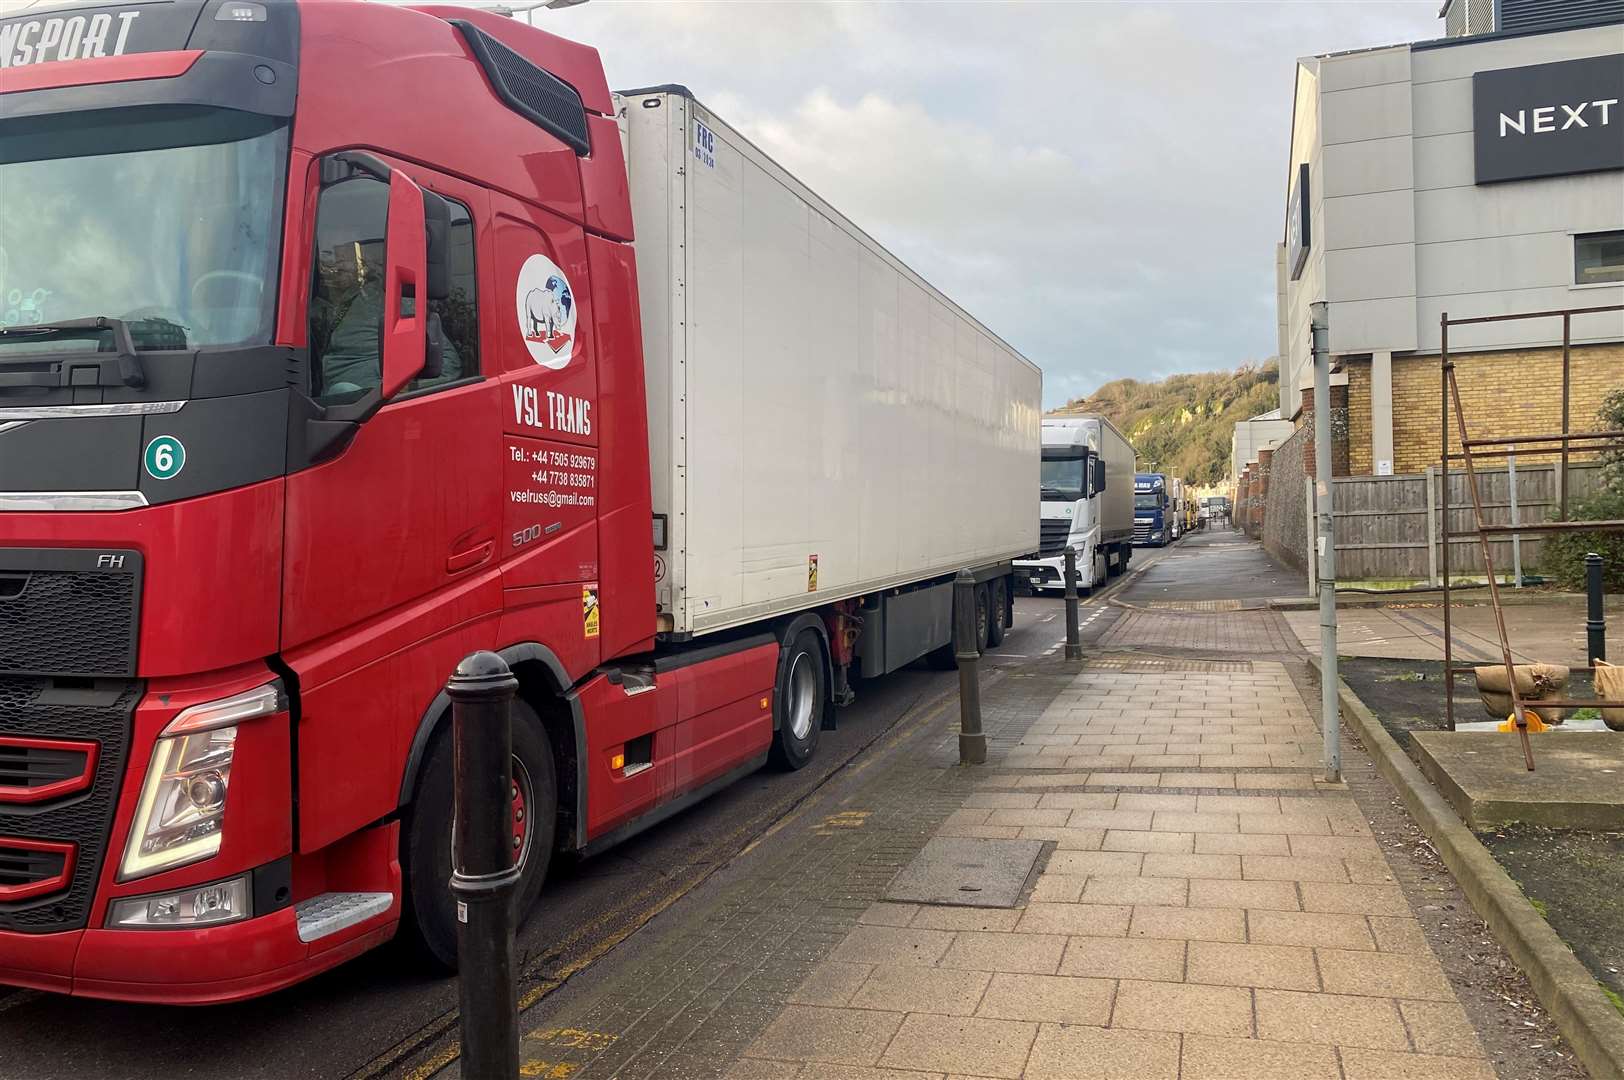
(165, 457)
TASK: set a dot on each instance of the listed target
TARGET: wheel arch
(786, 630)
(544, 685)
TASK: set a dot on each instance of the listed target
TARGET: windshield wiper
(130, 371)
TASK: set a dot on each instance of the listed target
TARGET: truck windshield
(165, 217)
(1147, 502)
(1062, 477)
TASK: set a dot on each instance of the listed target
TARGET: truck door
(546, 359)
(392, 544)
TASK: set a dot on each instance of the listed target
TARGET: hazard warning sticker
(589, 610)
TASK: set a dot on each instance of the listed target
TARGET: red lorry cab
(320, 368)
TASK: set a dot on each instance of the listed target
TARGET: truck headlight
(181, 814)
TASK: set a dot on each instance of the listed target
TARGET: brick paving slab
(1208, 907)
(1196, 926)
(768, 959)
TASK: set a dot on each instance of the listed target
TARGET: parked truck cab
(325, 368)
(1084, 503)
(1152, 510)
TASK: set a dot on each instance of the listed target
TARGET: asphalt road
(362, 1018)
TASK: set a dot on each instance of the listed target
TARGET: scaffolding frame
(1601, 440)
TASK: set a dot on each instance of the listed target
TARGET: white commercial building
(1479, 174)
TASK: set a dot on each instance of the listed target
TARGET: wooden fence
(1388, 527)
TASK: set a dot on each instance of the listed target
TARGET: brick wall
(1504, 393)
(1359, 455)
(1341, 427)
(1285, 524)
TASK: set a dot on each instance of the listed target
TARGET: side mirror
(1098, 465)
(405, 282)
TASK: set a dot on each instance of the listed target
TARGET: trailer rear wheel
(997, 608)
(429, 917)
(798, 697)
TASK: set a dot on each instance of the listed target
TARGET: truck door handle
(467, 560)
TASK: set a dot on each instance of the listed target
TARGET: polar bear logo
(547, 312)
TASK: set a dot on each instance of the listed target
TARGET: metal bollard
(483, 874)
(1074, 634)
(972, 743)
(1596, 620)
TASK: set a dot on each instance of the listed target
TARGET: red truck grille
(39, 770)
(63, 745)
(30, 868)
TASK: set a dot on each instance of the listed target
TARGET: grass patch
(1586, 714)
(1404, 676)
(1617, 1002)
(1539, 906)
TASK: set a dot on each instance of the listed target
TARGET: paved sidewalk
(1209, 909)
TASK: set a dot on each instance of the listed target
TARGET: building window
(1598, 258)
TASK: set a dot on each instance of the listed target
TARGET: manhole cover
(967, 872)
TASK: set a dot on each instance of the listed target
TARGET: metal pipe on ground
(1074, 634)
(484, 872)
(972, 742)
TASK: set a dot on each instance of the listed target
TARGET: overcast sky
(1100, 183)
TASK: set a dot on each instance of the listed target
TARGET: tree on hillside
(1185, 422)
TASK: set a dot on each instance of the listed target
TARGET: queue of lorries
(457, 350)
(1093, 501)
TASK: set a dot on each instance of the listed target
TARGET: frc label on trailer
(704, 145)
(546, 306)
(811, 573)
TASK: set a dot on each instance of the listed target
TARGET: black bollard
(1074, 634)
(967, 642)
(483, 870)
(1596, 622)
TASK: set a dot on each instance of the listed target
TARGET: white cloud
(1100, 183)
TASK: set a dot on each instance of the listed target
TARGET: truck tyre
(428, 919)
(997, 607)
(798, 699)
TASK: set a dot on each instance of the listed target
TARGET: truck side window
(459, 312)
(346, 294)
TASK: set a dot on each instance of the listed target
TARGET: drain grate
(1163, 665)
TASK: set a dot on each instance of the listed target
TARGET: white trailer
(1087, 502)
(823, 423)
(1176, 518)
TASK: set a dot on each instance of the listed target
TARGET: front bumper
(179, 967)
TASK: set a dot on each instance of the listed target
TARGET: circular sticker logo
(546, 305)
(165, 457)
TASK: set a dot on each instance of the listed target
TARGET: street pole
(1330, 711)
(1074, 635)
(1596, 615)
(967, 643)
(484, 871)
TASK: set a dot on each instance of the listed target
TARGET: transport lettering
(75, 37)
